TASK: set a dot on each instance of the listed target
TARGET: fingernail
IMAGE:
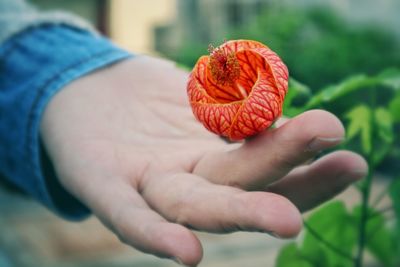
(320, 143)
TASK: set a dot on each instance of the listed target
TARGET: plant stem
(366, 189)
(327, 243)
(363, 219)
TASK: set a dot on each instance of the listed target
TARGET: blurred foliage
(370, 107)
(318, 46)
(350, 100)
(331, 244)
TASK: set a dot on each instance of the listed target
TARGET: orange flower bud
(238, 90)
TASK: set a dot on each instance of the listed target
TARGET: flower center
(224, 66)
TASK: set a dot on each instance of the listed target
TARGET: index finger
(274, 153)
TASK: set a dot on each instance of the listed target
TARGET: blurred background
(362, 36)
(322, 42)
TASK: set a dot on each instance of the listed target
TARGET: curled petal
(238, 90)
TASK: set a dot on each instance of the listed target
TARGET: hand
(124, 141)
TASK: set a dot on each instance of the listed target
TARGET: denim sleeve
(34, 65)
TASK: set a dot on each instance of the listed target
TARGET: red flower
(238, 90)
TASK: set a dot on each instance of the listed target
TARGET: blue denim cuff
(34, 65)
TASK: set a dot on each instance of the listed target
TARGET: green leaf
(379, 240)
(394, 108)
(334, 225)
(290, 256)
(384, 122)
(360, 124)
(390, 78)
(333, 92)
(384, 134)
(394, 192)
(296, 90)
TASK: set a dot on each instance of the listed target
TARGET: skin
(124, 141)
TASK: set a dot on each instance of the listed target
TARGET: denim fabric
(34, 65)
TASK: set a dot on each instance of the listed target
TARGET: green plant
(307, 39)
(336, 236)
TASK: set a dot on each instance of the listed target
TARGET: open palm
(124, 141)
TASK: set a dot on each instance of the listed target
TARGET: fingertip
(354, 166)
(309, 186)
(320, 123)
(288, 218)
(347, 166)
(277, 216)
(183, 246)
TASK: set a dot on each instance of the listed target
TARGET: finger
(308, 186)
(272, 154)
(192, 201)
(281, 121)
(125, 212)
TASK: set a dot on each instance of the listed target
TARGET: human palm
(123, 140)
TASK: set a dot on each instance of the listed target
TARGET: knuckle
(285, 162)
